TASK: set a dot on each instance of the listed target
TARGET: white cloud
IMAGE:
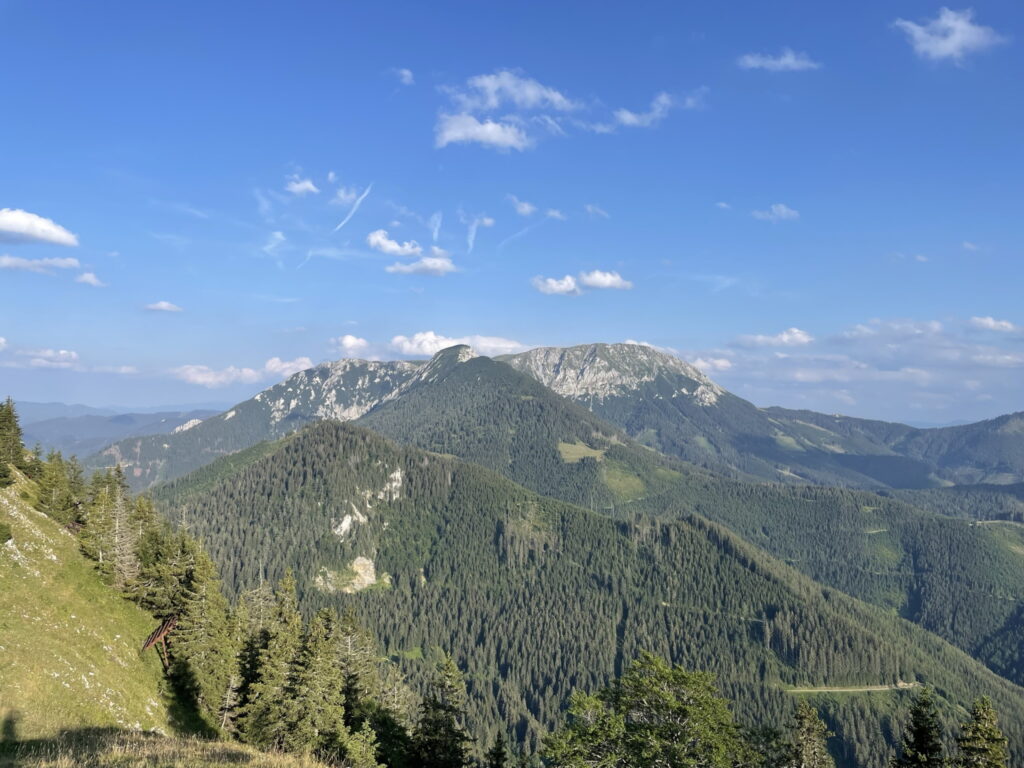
(660, 106)
(349, 344)
(787, 61)
(554, 213)
(723, 206)
(50, 358)
(301, 187)
(163, 306)
(345, 196)
(465, 128)
(951, 35)
(405, 76)
(991, 324)
(3, 343)
(791, 337)
(18, 226)
(275, 366)
(969, 246)
(205, 376)
(430, 343)
(596, 211)
(40, 266)
(438, 264)
(598, 279)
(504, 87)
(562, 286)
(379, 240)
(434, 222)
(522, 207)
(89, 278)
(776, 212)
(712, 364)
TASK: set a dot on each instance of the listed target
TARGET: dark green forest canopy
(963, 582)
(536, 597)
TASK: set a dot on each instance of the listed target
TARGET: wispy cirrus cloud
(39, 266)
(506, 110)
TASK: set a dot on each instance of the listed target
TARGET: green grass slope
(69, 645)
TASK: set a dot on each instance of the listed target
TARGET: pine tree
(266, 709)
(204, 652)
(981, 743)
(440, 739)
(12, 448)
(314, 697)
(360, 749)
(497, 755)
(922, 742)
(810, 737)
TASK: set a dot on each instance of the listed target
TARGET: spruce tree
(266, 708)
(12, 448)
(922, 742)
(314, 698)
(810, 736)
(440, 739)
(981, 743)
(205, 654)
(497, 755)
(360, 749)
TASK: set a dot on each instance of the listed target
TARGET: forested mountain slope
(345, 389)
(668, 404)
(70, 644)
(536, 597)
(962, 582)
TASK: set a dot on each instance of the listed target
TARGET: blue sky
(819, 203)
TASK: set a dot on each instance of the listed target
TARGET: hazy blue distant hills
(85, 434)
(29, 412)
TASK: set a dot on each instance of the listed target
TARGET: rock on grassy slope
(69, 644)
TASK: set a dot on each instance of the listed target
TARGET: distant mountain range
(84, 434)
(656, 398)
